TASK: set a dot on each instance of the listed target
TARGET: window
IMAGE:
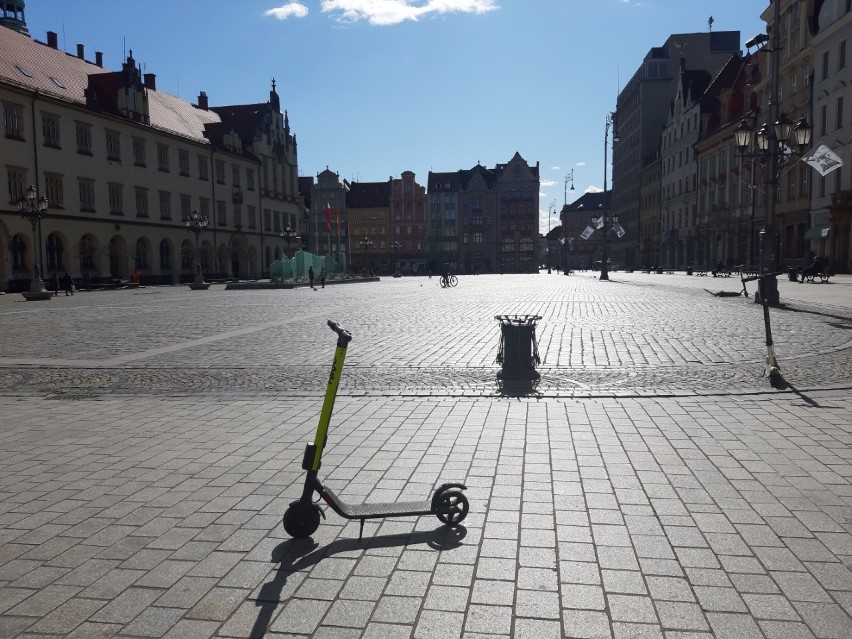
(165, 256)
(183, 162)
(86, 188)
(838, 116)
(13, 120)
(50, 129)
(141, 202)
(841, 56)
(238, 216)
(185, 206)
(235, 175)
(116, 199)
(138, 151)
(267, 220)
(165, 205)
(825, 65)
(202, 167)
(53, 188)
(113, 145)
(17, 178)
(250, 179)
(793, 81)
(84, 138)
(804, 185)
(221, 213)
(55, 250)
(163, 157)
(220, 171)
(477, 237)
(791, 186)
(204, 207)
(823, 113)
(252, 217)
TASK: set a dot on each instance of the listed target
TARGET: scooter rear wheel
(452, 507)
(302, 520)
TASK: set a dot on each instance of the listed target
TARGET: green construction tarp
(817, 233)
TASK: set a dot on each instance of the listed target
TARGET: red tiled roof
(42, 63)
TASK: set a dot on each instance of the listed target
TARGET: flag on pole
(600, 222)
(328, 216)
(587, 232)
(823, 159)
(338, 220)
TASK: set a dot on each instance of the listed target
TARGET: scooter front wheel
(301, 520)
(452, 507)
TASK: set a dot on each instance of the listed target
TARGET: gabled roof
(64, 77)
(363, 195)
(465, 176)
(593, 203)
(443, 181)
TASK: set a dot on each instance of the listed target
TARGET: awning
(817, 233)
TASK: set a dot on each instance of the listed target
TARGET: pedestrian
(68, 283)
(311, 276)
(54, 284)
(322, 277)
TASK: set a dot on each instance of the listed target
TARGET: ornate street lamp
(770, 145)
(196, 223)
(569, 177)
(34, 209)
(365, 243)
(289, 235)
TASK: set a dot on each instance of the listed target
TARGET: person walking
(54, 284)
(322, 277)
(311, 276)
(68, 283)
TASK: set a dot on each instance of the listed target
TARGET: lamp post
(569, 177)
(289, 235)
(395, 246)
(34, 209)
(773, 144)
(610, 121)
(550, 211)
(196, 223)
(365, 243)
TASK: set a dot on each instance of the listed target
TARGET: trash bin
(518, 352)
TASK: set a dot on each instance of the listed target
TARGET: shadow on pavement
(297, 554)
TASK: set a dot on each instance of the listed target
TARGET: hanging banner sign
(823, 159)
(587, 232)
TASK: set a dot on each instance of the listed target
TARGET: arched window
(19, 254)
(87, 254)
(186, 252)
(508, 245)
(54, 252)
(165, 256)
(141, 254)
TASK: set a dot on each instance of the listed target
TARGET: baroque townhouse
(730, 204)
(409, 248)
(123, 164)
(679, 169)
(478, 211)
(650, 214)
(369, 225)
(830, 234)
(328, 225)
(795, 72)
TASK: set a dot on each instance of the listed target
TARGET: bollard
(518, 352)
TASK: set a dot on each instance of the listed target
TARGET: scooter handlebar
(343, 336)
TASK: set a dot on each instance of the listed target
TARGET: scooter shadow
(296, 555)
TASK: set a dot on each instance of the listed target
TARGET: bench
(812, 277)
(722, 273)
(702, 272)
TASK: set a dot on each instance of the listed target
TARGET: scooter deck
(370, 511)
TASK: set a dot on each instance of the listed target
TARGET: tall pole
(605, 229)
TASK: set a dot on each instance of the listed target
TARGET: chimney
(202, 101)
(81, 52)
(151, 81)
(99, 58)
(52, 40)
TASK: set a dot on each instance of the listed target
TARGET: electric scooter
(302, 517)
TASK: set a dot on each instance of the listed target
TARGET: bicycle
(447, 281)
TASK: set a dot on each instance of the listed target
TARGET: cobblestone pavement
(636, 334)
(653, 485)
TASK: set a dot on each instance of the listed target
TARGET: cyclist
(445, 274)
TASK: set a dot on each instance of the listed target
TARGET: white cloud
(389, 12)
(547, 183)
(555, 168)
(594, 189)
(289, 10)
(581, 164)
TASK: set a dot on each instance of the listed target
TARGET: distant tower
(12, 16)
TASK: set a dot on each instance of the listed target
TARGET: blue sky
(377, 87)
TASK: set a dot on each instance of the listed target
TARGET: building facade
(830, 234)
(408, 244)
(641, 114)
(123, 164)
(370, 225)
